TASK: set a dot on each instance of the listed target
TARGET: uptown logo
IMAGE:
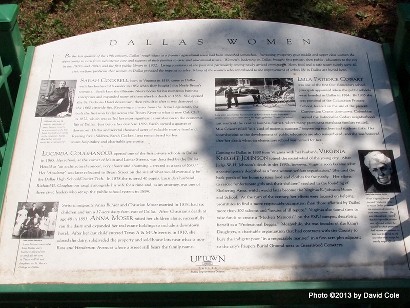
(208, 260)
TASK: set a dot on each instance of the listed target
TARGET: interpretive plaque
(207, 151)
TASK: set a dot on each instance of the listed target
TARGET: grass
(42, 21)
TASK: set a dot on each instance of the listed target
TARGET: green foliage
(60, 28)
(320, 13)
(315, 13)
(329, 8)
(41, 15)
(104, 23)
(46, 20)
(361, 15)
(159, 8)
(134, 5)
(113, 3)
(209, 9)
(235, 12)
(32, 36)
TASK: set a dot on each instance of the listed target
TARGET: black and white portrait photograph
(379, 171)
(252, 93)
(56, 98)
(35, 220)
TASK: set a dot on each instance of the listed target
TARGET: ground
(43, 21)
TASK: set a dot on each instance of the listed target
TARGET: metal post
(6, 101)
(11, 47)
